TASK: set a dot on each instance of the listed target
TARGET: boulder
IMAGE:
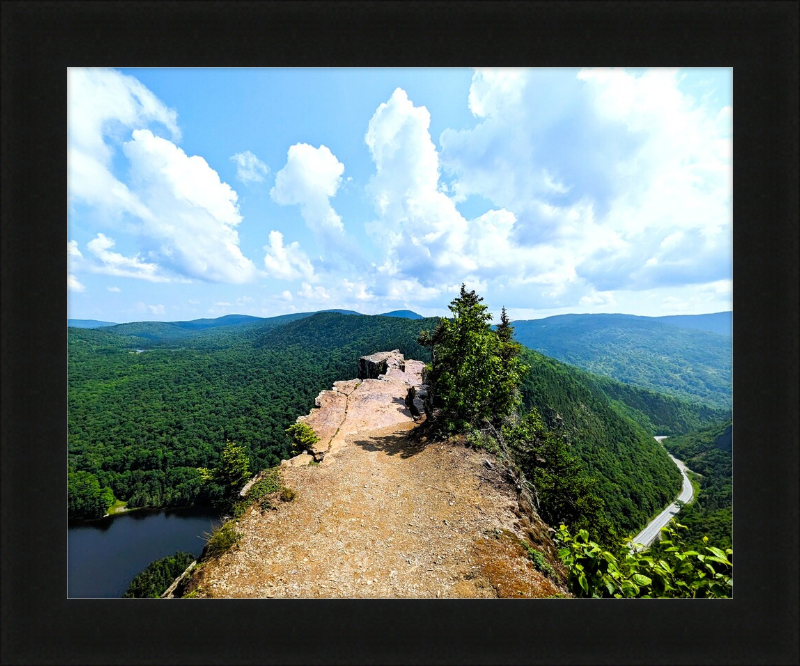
(375, 365)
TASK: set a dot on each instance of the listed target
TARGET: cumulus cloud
(183, 215)
(249, 169)
(104, 103)
(114, 290)
(73, 284)
(114, 263)
(310, 179)
(286, 262)
(193, 232)
(606, 181)
(311, 294)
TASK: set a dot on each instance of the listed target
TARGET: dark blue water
(105, 555)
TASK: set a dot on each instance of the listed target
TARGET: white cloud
(249, 169)
(114, 263)
(73, 284)
(150, 309)
(194, 213)
(105, 103)
(72, 249)
(183, 215)
(114, 290)
(311, 294)
(311, 177)
(286, 262)
(614, 181)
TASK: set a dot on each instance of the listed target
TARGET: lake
(105, 555)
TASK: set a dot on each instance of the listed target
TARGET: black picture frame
(41, 39)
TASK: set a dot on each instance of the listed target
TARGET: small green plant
(626, 573)
(539, 562)
(303, 436)
(288, 494)
(221, 539)
(479, 439)
(270, 483)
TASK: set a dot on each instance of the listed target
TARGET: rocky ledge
(386, 393)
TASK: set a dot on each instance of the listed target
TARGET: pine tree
(474, 373)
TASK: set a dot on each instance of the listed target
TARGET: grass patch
(221, 539)
(117, 507)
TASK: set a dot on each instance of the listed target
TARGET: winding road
(649, 533)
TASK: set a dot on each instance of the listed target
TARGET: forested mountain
(406, 314)
(691, 364)
(709, 453)
(141, 423)
(635, 478)
(88, 323)
(718, 322)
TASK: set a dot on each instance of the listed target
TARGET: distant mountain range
(676, 355)
(88, 323)
(719, 322)
(227, 320)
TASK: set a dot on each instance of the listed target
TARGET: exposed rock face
(375, 365)
(370, 401)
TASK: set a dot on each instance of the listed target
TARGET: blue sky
(203, 192)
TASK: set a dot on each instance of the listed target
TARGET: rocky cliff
(381, 511)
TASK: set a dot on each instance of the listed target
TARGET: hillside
(249, 385)
(690, 364)
(718, 322)
(635, 477)
(709, 453)
(385, 514)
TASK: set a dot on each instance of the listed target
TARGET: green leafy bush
(303, 436)
(288, 494)
(625, 573)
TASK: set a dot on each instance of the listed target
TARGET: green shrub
(303, 436)
(288, 494)
(270, 483)
(674, 572)
(539, 562)
(221, 539)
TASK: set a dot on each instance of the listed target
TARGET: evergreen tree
(233, 470)
(474, 373)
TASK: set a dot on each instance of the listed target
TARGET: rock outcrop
(385, 513)
(371, 401)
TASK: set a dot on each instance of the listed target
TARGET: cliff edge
(382, 512)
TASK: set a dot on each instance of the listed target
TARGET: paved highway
(649, 533)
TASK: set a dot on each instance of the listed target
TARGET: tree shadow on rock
(392, 445)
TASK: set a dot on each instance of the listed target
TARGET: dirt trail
(384, 515)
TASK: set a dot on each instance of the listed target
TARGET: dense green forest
(141, 423)
(691, 364)
(635, 479)
(657, 413)
(708, 452)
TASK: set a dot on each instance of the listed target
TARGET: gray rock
(375, 365)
